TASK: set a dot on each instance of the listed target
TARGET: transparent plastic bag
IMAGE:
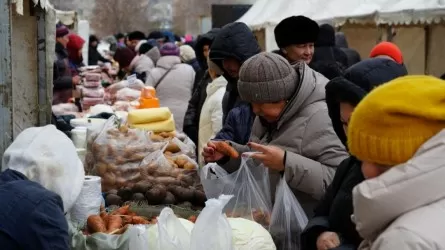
(250, 186)
(93, 92)
(127, 94)
(288, 219)
(118, 152)
(170, 232)
(216, 235)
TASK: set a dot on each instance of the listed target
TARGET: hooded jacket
(142, 65)
(352, 55)
(41, 179)
(202, 79)
(237, 41)
(62, 77)
(325, 49)
(403, 208)
(304, 130)
(175, 90)
(334, 211)
(210, 121)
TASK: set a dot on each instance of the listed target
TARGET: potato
(189, 166)
(112, 199)
(156, 138)
(142, 186)
(181, 161)
(125, 193)
(123, 129)
(112, 168)
(156, 194)
(138, 197)
(188, 180)
(169, 199)
(138, 157)
(109, 179)
(168, 153)
(101, 169)
(168, 181)
(181, 193)
(120, 182)
(173, 147)
(112, 191)
(200, 198)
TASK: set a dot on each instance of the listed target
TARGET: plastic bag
(88, 102)
(93, 77)
(64, 108)
(127, 94)
(118, 152)
(122, 106)
(92, 84)
(134, 238)
(93, 92)
(216, 235)
(170, 233)
(288, 218)
(136, 85)
(250, 187)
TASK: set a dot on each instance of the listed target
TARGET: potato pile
(156, 186)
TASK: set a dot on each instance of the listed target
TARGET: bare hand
(271, 156)
(328, 240)
(76, 80)
(210, 154)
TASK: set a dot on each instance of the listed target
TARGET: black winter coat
(202, 79)
(235, 40)
(334, 211)
(238, 125)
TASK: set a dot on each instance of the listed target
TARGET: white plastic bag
(288, 218)
(216, 235)
(170, 232)
(250, 187)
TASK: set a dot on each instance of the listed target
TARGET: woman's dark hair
(136, 35)
(119, 36)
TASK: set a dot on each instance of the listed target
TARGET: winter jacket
(403, 208)
(234, 40)
(352, 55)
(238, 125)
(142, 65)
(154, 54)
(202, 79)
(193, 113)
(304, 130)
(334, 211)
(94, 56)
(210, 121)
(31, 216)
(195, 65)
(175, 90)
(62, 77)
(325, 49)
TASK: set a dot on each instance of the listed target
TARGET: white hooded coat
(210, 122)
(404, 208)
(47, 156)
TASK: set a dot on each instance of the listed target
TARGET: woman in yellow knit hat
(398, 132)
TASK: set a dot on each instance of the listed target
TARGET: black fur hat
(296, 30)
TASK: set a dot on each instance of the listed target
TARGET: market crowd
(359, 141)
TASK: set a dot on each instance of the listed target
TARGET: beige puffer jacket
(305, 132)
(404, 208)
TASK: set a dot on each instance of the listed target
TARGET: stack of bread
(152, 119)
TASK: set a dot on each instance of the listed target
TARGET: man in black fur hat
(296, 37)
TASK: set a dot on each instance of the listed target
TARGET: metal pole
(5, 76)
(44, 100)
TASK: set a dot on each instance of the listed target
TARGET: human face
(133, 44)
(232, 67)
(372, 170)
(269, 111)
(206, 51)
(94, 44)
(299, 52)
(346, 110)
(63, 40)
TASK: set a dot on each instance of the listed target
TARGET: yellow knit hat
(390, 124)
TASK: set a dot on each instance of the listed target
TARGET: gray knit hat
(267, 78)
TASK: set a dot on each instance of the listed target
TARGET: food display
(92, 92)
(153, 119)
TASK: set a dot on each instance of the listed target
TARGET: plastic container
(79, 137)
(81, 152)
(86, 122)
(148, 98)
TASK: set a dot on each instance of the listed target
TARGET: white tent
(266, 14)
(409, 12)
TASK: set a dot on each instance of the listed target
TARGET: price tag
(131, 79)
